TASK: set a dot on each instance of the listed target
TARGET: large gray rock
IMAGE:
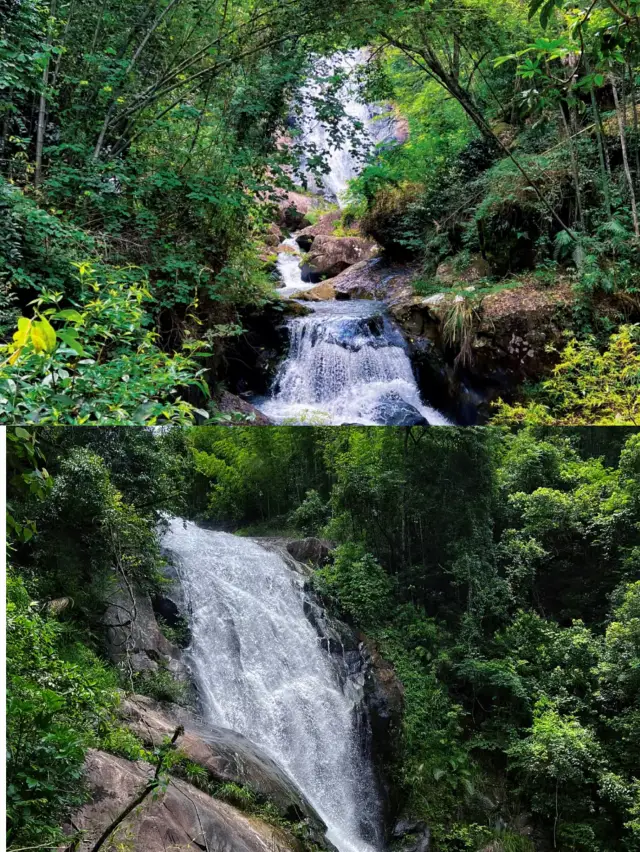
(329, 256)
(182, 817)
(225, 754)
(310, 550)
(133, 636)
(393, 410)
(359, 282)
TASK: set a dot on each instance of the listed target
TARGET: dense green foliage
(150, 139)
(499, 573)
(522, 156)
(83, 508)
(143, 139)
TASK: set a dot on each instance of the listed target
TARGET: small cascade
(347, 364)
(262, 671)
(288, 266)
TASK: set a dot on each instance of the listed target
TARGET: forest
(496, 571)
(153, 156)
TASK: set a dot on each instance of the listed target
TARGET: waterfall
(375, 125)
(288, 266)
(347, 363)
(262, 672)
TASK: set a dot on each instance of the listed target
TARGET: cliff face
(275, 815)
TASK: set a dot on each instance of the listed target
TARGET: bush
(58, 696)
(311, 515)
(162, 686)
(358, 583)
(97, 362)
(588, 387)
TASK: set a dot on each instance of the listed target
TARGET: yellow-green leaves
(38, 332)
(43, 335)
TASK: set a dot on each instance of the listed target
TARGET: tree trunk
(634, 107)
(428, 61)
(575, 168)
(625, 155)
(602, 152)
(42, 109)
(107, 119)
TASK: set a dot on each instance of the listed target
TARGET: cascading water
(288, 266)
(262, 672)
(376, 127)
(347, 364)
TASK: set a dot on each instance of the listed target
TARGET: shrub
(358, 583)
(311, 515)
(162, 686)
(97, 362)
(588, 387)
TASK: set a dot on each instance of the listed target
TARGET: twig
(151, 786)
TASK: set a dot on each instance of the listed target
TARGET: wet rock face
(329, 256)
(392, 410)
(411, 836)
(377, 693)
(251, 360)
(314, 551)
(226, 755)
(182, 817)
(133, 635)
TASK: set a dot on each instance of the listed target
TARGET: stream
(347, 362)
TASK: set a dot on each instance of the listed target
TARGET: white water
(288, 266)
(347, 364)
(344, 164)
(343, 366)
(262, 672)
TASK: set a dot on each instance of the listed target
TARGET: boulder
(226, 755)
(329, 256)
(323, 227)
(322, 292)
(359, 282)
(311, 550)
(293, 207)
(393, 410)
(273, 236)
(180, 817)
(229, 403)
(132, 633)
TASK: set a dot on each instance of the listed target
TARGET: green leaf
(69, 336)
(69, 314)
